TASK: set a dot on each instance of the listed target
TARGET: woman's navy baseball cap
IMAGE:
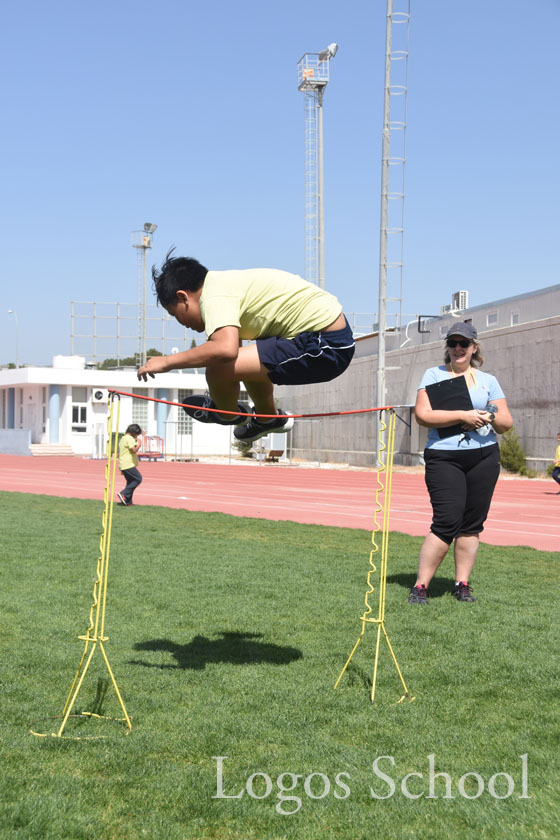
(464, 329)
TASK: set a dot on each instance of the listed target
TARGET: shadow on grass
(438, 586)
(232, 647)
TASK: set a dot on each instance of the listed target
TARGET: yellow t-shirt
(265, 302)
(127, 458)
(557, 455)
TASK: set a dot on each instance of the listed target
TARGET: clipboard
(450, 395)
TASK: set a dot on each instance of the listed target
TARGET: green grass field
(226, 637)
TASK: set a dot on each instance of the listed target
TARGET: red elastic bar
(243, 414)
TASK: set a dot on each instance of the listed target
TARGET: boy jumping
(300, 332)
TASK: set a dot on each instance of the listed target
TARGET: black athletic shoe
(418, 595)
(205, 401)
(257, 428)
(122, 500)
(462, 592)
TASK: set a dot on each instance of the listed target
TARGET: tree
(512, 454)
(128, 361)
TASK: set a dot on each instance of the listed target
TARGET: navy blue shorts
(308, 357)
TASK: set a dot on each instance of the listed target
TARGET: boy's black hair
(176, 273)
(134, 430)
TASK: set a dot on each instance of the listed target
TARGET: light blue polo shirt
(487, 389)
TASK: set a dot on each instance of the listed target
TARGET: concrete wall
(522, 357)
(15, 441)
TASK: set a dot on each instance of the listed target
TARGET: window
(140, 410)
(184, 425)
(79, 410)
(491, 319)
(514, 318)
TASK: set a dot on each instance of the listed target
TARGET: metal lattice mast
(142, 241)
(393, 158)
(313, 77)
(311, 231)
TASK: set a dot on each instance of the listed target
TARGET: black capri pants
(461, 484)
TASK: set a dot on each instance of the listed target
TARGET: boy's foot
(418, 595)
(205, 401)
(257, 428)
(462, 592)
(122, 499)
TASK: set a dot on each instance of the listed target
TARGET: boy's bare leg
(223, 382)
(262, 394)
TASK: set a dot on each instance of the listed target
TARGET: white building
(65, 408)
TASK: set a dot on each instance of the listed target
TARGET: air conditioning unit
(460, 300)
(100, 395)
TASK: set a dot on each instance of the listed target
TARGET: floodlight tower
(142, 241)
(313, 77)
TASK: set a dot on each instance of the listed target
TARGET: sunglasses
(452, 342)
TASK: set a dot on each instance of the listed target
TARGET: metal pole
(14, 313)
(144, 312)
(72, 334)
(320, 185)
(118, 333)
(385, 153)
(94, 331)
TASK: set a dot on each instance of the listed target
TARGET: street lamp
(14, 313)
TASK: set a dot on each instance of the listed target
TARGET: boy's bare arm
(221, 347)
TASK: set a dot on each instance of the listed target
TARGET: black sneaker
(462, 592)
(418, 595)
(257, 428)
(205, 401)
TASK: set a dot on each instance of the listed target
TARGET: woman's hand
(475, 419)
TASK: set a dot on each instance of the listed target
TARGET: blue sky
(188, 115)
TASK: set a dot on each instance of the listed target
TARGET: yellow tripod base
(95, 635)
(380, 628)
(383, 491)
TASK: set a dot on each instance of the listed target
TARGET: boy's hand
(156, 364)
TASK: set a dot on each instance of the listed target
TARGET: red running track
(523, 512)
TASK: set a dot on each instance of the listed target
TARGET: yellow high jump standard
(385, 470)
(95, 634)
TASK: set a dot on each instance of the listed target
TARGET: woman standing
(128, 462)
(461, 469)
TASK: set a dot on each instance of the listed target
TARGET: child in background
(128, 463)
(556, 470)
